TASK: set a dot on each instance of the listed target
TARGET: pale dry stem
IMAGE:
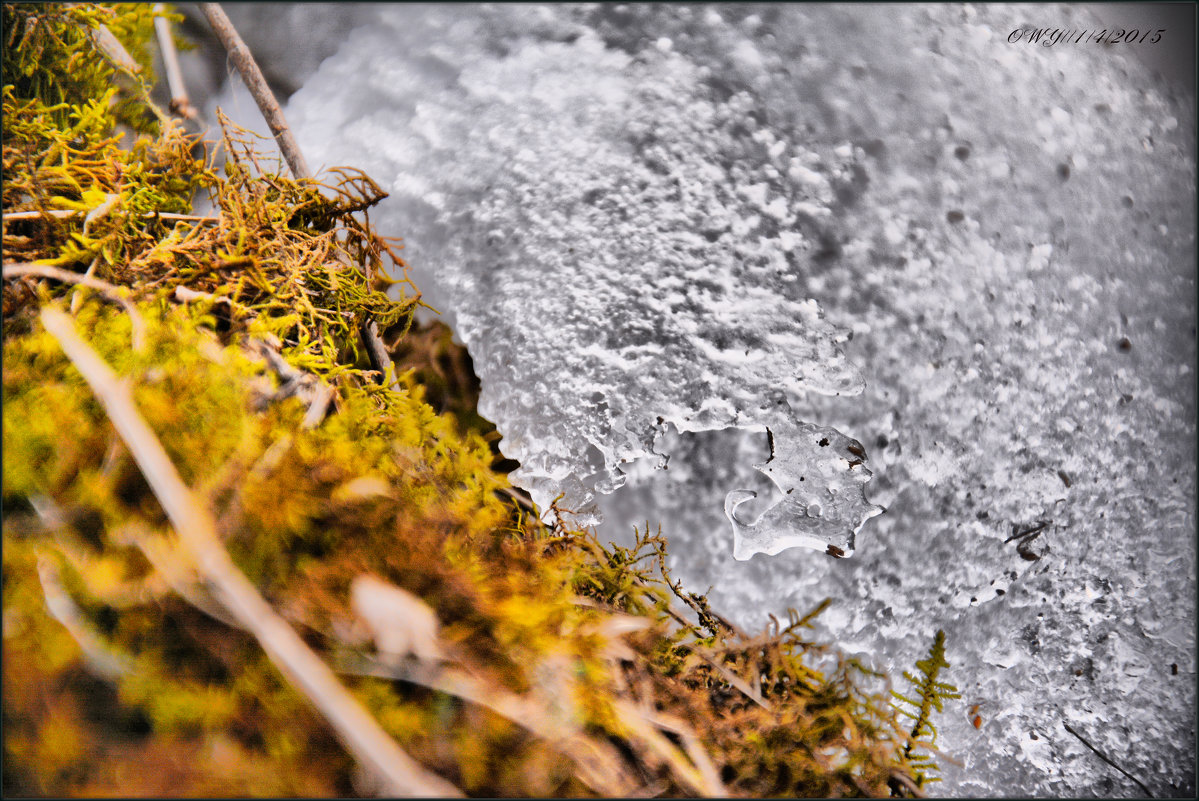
(66, 214)
(180, 103)
(102, 661)
(701, 782)
(110, 292)
(599, 765)
(398, 772)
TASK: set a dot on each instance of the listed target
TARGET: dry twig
(107, 290)
(180, 103)
(399, 773)
(167, 560)
(247, 67)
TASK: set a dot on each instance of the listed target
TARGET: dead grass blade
(399, 774)
(599, 765)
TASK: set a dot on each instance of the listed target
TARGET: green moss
(49, 54)
(927, 694)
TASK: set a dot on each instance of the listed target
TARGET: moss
(561, 646)
(50, 54)
(926, 694)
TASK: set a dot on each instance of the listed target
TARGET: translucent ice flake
(820, 474)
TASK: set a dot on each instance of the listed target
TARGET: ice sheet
(630, 213)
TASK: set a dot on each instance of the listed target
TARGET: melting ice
(630, 214)
(639, 241)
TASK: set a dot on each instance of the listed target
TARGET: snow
(655, 228)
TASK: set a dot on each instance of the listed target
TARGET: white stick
(180, 103)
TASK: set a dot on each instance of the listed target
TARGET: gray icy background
(1007, 229)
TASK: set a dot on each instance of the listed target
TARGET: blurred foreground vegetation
(360, 505)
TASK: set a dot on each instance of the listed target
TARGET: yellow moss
(49, 54)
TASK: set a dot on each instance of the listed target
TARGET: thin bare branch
(180, 103)
(60, 214)
(170, 215)
(107, 290)
(247, 67)
(174, 567)
(399, 774)
(1108, 760)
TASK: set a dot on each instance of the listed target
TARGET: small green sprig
(927, 694)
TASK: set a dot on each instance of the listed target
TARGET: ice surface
(645, 285)
(626, 211)
(818, 471)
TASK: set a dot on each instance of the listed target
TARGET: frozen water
(629, 214)
(818, 471)
(646, 285)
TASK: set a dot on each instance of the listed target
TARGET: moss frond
(50, 53)
(927, 694)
